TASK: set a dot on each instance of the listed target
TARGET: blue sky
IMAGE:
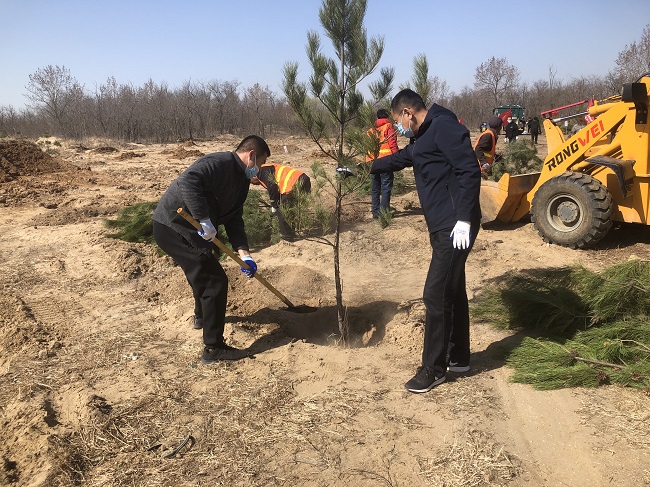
(250, 40)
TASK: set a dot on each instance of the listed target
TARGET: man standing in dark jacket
(448, 181)
(512, 130)
(534, 130)
(213, 190)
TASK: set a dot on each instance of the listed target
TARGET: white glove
(208, 232)
(461, 235)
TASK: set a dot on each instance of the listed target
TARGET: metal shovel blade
(301, 308)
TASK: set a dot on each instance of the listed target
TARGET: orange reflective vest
(489, 156)
(285, 176)
(381, 133)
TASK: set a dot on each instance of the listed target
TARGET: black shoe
(198, 323)
(424, 380)
(223, 352)
(457, 367)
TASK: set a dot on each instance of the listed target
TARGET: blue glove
(251, 264)
(207, 232)
(461, 235)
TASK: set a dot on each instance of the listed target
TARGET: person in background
(382, 184)
(448, 182)
(512, 130)
(213, 190)
(534, 130)
(281, 182)
(486, 144)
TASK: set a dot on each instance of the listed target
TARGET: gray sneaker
(223, 352)
(457, 367)
(198, 323)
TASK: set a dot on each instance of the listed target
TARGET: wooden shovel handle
(192, 221)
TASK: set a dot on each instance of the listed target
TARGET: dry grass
(472, 459)
(619, 414)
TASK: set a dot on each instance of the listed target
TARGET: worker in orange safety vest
(382, 184)
(486, 145)
(280, 181)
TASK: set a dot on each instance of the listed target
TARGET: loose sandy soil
(99, 374)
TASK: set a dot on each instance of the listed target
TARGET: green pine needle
(591, 328)
(134, 223)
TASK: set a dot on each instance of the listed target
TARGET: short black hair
(407, 98)
(382, 113)
(256, 143)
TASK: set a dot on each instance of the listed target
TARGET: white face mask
(251, 172)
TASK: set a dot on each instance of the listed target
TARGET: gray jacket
(214, 186)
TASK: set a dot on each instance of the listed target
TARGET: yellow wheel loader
(596, 177)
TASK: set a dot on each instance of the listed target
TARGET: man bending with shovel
(213, 190)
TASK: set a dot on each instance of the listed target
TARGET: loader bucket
(501, 200)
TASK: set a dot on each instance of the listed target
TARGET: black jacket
(512, 131)
(447, 175)
(214, 186)
(533, 127)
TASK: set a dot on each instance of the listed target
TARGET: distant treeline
(154, 112)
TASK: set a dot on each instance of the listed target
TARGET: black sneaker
(198, 323)
(223, 352)
(424, 381)
(457, 367)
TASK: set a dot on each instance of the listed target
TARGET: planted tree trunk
(340, 310)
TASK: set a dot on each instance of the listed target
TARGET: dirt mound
(19, 330)
(104, 150)
(406, 329)
(67, 215)
(23, 158)
(130, 155)
(181, 153)
(278, 149)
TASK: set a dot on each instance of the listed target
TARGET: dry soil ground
(99, 378)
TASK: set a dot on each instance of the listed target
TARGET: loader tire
(573, 210)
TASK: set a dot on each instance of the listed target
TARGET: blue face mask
(251, 172)
(405, 132)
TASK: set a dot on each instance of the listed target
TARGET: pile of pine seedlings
(581, 328)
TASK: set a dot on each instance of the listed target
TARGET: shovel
(303, 308)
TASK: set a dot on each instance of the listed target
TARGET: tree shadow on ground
(367, 324)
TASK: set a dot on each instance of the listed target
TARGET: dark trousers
(382, 184)
(533, 138)
(206, 277)
(446, 327)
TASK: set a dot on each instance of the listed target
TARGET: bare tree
(259, 102)
(52, 89)
(105, 98)
(634, 59)
(496, 76)
(552, 78)
(225, 99)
